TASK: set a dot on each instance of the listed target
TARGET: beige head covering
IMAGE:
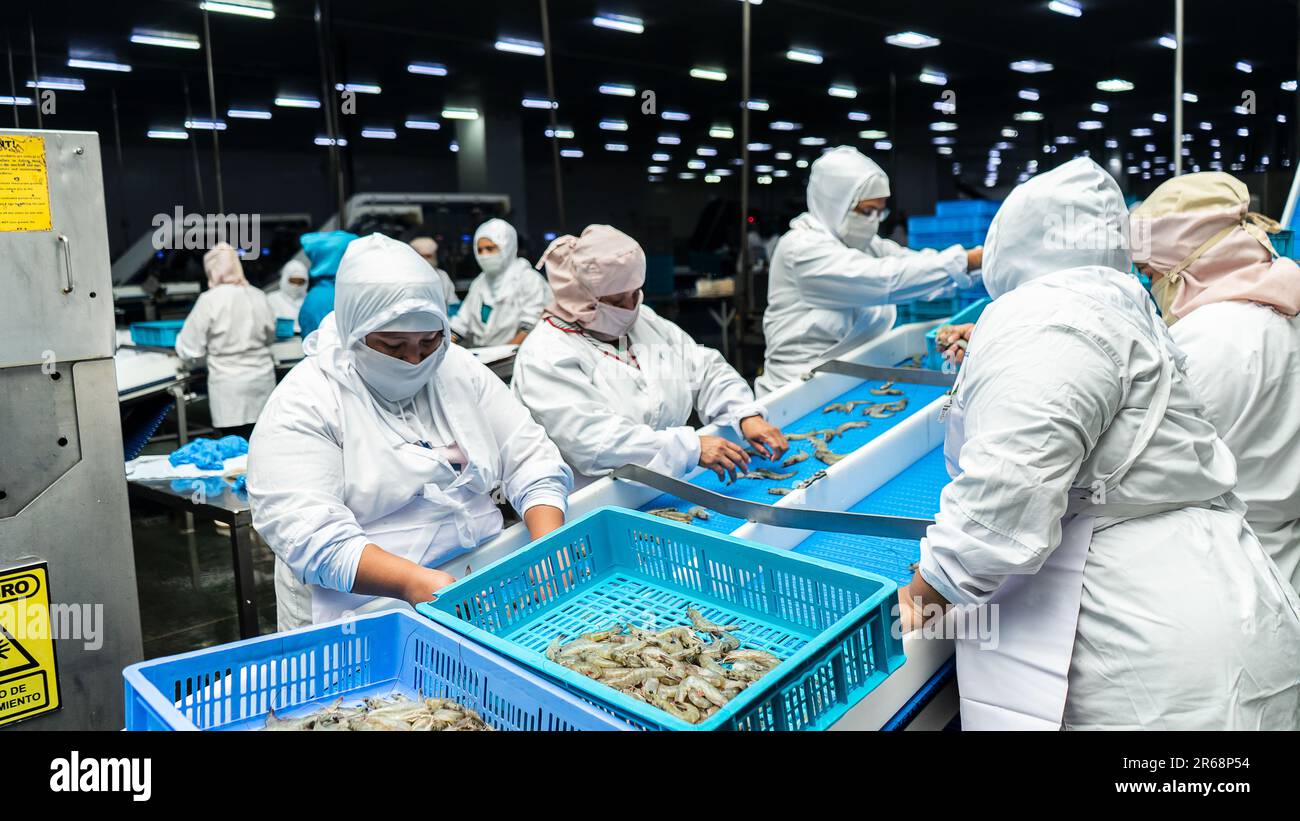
(1197, 229)
(602, 262)
(222, 266)
(426, 247)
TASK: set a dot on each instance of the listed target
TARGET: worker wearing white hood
(1092, 503)
(375, 460)
(287, 301)
(504, 302)
(833, 283)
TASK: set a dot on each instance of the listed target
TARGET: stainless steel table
(189, 496)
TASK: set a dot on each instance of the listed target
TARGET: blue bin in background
(160, 333)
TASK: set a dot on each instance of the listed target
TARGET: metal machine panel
(60, 274)
(62, 486)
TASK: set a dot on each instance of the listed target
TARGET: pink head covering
(602, 262)
(1202, 234)
(222, 266)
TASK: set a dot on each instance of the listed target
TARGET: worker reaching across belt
(614, 383)
(833, 283)
(506, 300)
(231, 329)
(1092, 503)
(376, 457)
(1231, 303)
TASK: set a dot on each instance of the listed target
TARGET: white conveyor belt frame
(846, 483)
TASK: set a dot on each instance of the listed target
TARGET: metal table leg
(241, 543)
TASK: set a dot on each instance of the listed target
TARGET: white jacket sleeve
(588, 428)
(1034, 403)
(537, 297)
(466, 321)
(295, 490)
(831, 275)
(533, 472)
(722, 396)
(192, 341)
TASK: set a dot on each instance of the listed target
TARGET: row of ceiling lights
(908, 39)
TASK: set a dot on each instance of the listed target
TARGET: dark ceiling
(373, 42)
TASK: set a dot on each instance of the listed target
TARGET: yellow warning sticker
(24, 184)
(29, 676)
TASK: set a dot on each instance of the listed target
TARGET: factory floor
(186, 581)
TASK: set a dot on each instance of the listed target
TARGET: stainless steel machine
(65, 531)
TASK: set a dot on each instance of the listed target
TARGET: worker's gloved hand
(723, 457)
(424, 583)
(766, 438)
(953, 339)
(975, 258)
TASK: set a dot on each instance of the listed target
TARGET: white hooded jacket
(332, 467)
(1184, 622)
(605, 408)
(1244, 359)
(231, 329)
(514, 297)
(287, 300)
(822, 292)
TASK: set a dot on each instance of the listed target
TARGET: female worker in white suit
(1092, 503)
(376, 458)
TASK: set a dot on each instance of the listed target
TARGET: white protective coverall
(333, 467)
(232, 327)
(514, 297)
(1244, 360)
(1182, 620)
(287, 301)
(822, 293)
(604, 412)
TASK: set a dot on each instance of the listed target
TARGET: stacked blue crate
(955, 222)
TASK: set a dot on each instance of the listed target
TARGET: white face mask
(613, 321)
(492, 264)
(391, 378)
(857, 229)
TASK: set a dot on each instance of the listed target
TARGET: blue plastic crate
(1284, 242)
(941, 240)
(939, 224)
(284, 327)
(159, 334)
(970, 313)
(963, 208)
(832, 626)
(233, 686)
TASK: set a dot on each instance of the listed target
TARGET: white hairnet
(1069, 217)
(385, 285)
(294, 268)
(501, 233)
(840, 179)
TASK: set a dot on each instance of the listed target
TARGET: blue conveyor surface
(914, 492)
(756, 490)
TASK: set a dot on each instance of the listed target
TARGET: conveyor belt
(918, 396)
(914, 492)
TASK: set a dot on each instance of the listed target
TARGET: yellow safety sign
(29, 676)
(24, 184)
